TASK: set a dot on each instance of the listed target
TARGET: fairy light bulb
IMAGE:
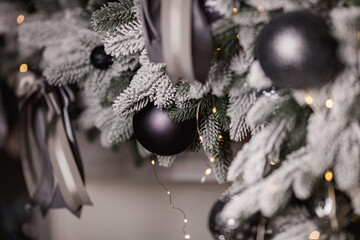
(273, 189)
(214, 110)
(235, 10)
(273, 163)
(220, 137)
(260, 9)
(238, 36)
(329, 175)
(187, 236)
(308, 99)
(185, 220)
(329, 103)
(20, 19)
(153, 162)
(168, 192)
(208, 171)
(23, 68)
(314, 235)
(201, 138)
(231, 222)
(212, 159)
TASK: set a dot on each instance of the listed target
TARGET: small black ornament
(159, 134)
(246, 231)
(296, 50)
(331, 208)
(99, 58)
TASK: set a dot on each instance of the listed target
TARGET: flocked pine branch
(226, 7)
(215, 146)
(150, 83)
(166, 161)
(112, 15)
(113, 130)
(126, 39)
(39, 34)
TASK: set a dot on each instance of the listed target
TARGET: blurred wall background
(130, 204)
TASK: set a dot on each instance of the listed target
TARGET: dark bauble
(99, 59)
(323, 204)
(296, 50)
(220, 231)
(159, 135)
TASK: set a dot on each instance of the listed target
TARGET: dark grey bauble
(321, 206)
(159, 134)
(220, 231)
(296, 50)
(99, 59)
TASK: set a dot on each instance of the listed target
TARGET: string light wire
(187, 236)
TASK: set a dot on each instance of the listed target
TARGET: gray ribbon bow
(51, 161)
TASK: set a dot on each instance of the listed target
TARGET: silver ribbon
(178, 33)
(51, 162)
(63, 161)
(176, 18)
(186, 39)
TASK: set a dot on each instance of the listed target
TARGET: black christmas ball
(159, 134)
(331, 208)
(296, 50)
(222, 231)
(99, 59)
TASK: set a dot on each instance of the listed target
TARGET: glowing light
(153, 162)
(329, 103)
(355, 219)
(329, 175)
(203, 179)
(235, 10)
(23, 68)
(273, 189)
(218, 49)
(214, 110)
(314, 235)
(201, 138)
(212, 159)
(231, 222)
(187, 236)
(273, 163)
(260, 9)
(20, 19)
(208, 171)
(168, 192)
(238, 36)
(220, 137)
(185, 220)
(308, 99)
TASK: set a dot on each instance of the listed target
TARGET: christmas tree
(201, 75)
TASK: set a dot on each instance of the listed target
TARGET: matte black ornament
(296, 50)
(99, 58)
(158, 134)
